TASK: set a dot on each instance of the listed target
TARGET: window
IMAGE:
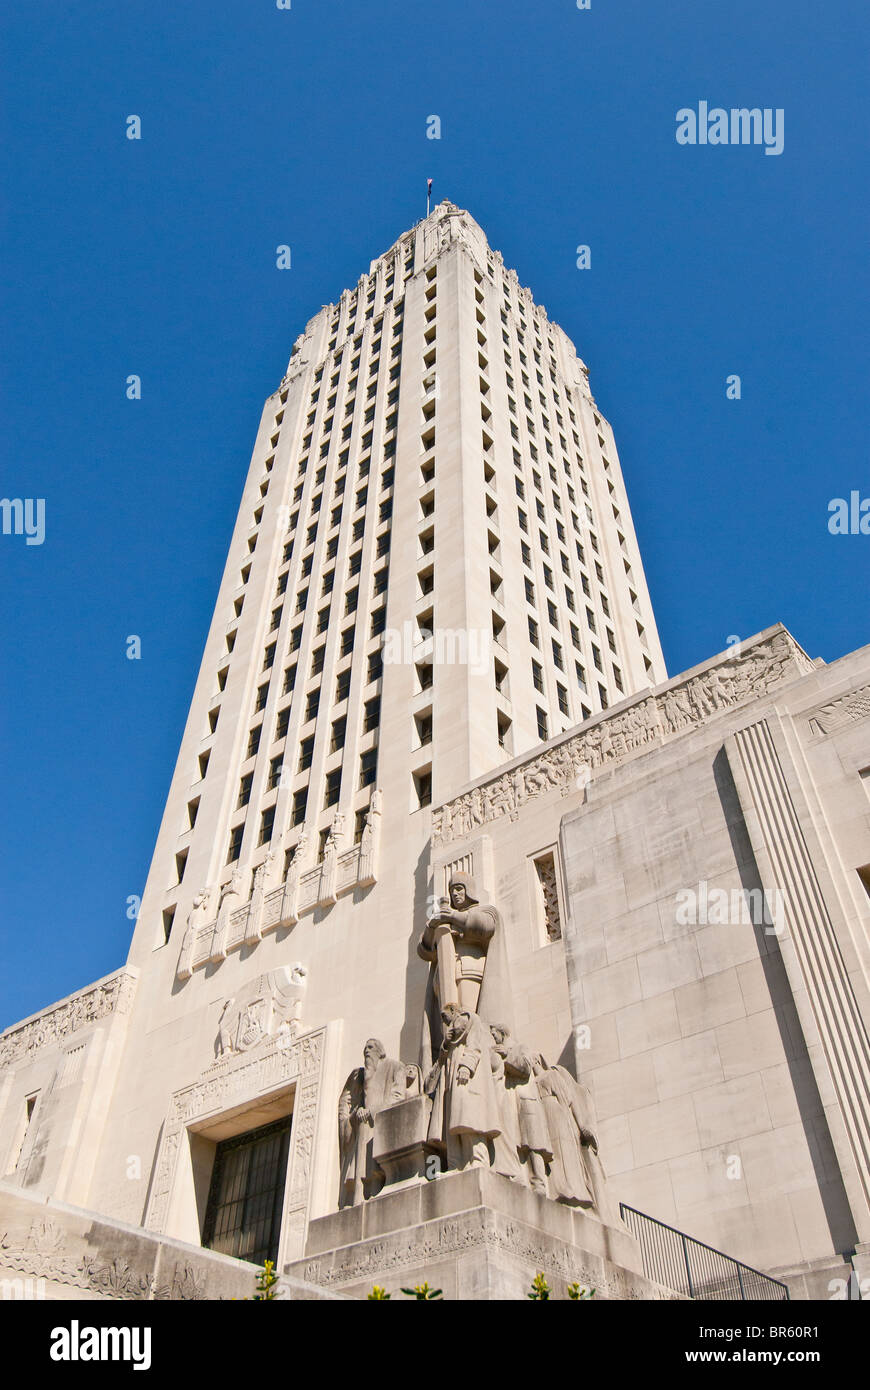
(339, 728)
(245, 790)
(254, 741)
(543, 727)
(376, 666)
(275, 767)
(372, 714)
(235, 848)
(342, 686)
(333, 787)
(312, 704)
(283, 722)
(368, 767)
(246, 1196)
(423, 788)
(300, 803)
(267, 820)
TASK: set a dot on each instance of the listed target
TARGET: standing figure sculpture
(505, 1157)
(382, 1081)
(535, 1147)
(465, 1115)
(571, 1140)
(464, 944)
(579, 1097)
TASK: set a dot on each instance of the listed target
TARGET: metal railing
(689, 1266)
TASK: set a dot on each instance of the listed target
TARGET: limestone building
(433, 661)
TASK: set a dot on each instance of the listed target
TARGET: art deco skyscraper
(432, 463)
(432, 625)
(433, 571)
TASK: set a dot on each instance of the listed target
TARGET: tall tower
(433, 758)
(433, 569)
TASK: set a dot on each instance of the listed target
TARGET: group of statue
(493, 1102)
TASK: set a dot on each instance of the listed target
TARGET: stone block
(399, 1142)
(479, 1237)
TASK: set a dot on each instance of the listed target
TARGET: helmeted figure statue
(381, 1082)
(464, 944)
(465, 1114)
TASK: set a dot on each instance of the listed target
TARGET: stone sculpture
(569, 1136)
(488, 1100)
(464, 945)
(379, 1083)
(195, 918)
(268, 1008)
(465, 1113)
(521, 1082)
(506, 1144)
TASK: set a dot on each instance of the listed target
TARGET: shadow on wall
(831, 1189)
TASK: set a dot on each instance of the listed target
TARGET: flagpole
(428, 195)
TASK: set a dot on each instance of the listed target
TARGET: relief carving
(651, 719)
(47, 1029)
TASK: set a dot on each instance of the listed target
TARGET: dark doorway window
(243, 1216)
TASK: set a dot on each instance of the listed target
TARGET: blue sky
(308, 127)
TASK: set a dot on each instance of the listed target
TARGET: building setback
(433, 654)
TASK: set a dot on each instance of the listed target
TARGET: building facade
(433, 653)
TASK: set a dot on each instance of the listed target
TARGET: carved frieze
(480, 1227)
(567, 767)
(44, 1254)
(109, 996)
(837, 714)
